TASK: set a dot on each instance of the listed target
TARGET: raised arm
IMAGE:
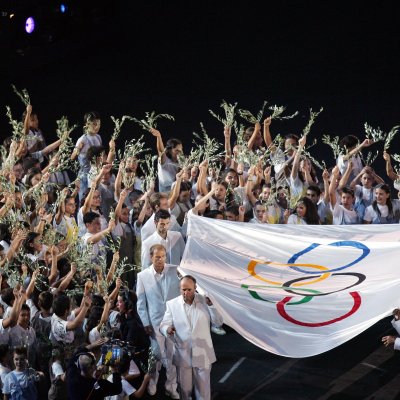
(78, 321)
(121, 201)
(173, 198)
(325, 177)
(68, 278)
(228, 148)
(266, 131)
(202, 180)
(345, 178)
(296, 161)
(257, 131)
(365, 143)
(332, 186)
(389, 168)
(111, 153)
(160, 145)
(111, 271)
(98, 236)
(48, 149)
(27, 119)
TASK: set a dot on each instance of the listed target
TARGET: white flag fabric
(297, 290)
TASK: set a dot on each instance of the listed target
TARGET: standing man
(155, 286)
(171, 240)
(187, 321)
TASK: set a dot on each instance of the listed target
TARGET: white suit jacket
(152, 296)
(193, 346)
(174, 247)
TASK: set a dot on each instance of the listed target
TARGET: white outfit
(174, 246)
(193, 348)
(296, 220)
(342, 216)
(153, 291)
(166, 174)
(357, 166)
(150, 227)
(59, 331)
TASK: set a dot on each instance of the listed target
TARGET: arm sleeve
(142, 302)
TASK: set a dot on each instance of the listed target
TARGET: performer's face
(188, 290)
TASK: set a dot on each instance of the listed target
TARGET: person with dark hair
(125, 234)
(343, 213)
(23, 334)
(91, 201)
(95, 235)
(131, 327)
(158, 201)
(365, 193)
(4, 363)
(306, 213)
(90, 138)
(381, 211)
(221, 198)
(64, 221)
(314, 194)
(34, 136)
(351, 148)
(33, 246)
(232, 213)
(187, 322)
(179, 200)
(13, 299)
(21, 382)
(63, 322)
(155, 286)
(391, 339)
(81, 383)
(167, 160)
(214, 214)
(128, 391)
(258, 213)
(172, 241)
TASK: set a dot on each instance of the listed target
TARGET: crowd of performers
(91, 238)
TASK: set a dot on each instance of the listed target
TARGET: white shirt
(59, 329)
(342, 216)
(296, 220)
(371, 214)
(174, 245)
(150, 227)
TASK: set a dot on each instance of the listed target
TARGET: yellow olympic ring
(251, 267)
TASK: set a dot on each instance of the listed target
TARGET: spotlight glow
(29, 25)
(63, 8)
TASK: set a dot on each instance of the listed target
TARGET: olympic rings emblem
(321, 273)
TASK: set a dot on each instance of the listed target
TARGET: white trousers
(164, 348)
(197, 377)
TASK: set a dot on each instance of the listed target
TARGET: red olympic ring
(281, 310)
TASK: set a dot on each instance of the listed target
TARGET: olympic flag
(296, 291)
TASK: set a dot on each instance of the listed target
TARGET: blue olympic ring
(349, 243)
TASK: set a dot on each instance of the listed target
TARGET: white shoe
(218, 330)
(172, 393)
(152, 388)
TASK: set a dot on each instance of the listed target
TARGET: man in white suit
(171, 240)
(187, 321)
(155, 286)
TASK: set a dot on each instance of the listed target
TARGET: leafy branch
(149, 122)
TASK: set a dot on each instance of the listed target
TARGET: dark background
(182, 58)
